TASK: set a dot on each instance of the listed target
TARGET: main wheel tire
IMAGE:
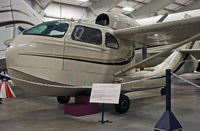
(124, 104)
(198, 68)
(63, 99)
(163, 91)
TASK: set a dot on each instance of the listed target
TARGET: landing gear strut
(124, 104)
(63, 99)
(163, 91)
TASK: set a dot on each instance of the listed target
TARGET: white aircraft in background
(64, 59)
(16, 16)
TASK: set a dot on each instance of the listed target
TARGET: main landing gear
(163, 91)
(63, 99)
(124, 104)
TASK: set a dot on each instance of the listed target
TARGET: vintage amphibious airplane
(64, 59)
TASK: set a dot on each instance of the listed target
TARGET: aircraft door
(83, 54)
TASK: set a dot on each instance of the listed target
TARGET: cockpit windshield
(52, 29)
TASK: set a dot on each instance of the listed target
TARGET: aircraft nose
(12, 53)
(11, 56)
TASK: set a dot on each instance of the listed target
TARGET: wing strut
(193, 38)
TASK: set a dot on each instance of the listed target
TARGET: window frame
(115, 40)
(24, 33)
(88, 43)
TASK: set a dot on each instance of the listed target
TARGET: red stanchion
(6, 91)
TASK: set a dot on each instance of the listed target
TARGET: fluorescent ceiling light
(83, 0)
(128, 9)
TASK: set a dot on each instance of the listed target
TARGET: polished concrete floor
(35, 113)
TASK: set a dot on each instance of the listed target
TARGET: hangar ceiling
(81, 3)
(140, 8)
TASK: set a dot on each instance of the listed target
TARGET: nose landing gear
(63, 99)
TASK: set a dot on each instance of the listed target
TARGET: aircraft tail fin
(193, 52)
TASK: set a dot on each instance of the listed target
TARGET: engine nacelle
(115, 20)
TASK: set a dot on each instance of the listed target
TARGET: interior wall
(56, 11)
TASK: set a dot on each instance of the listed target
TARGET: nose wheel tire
(163, 91)
(124, 104)
(63, 99)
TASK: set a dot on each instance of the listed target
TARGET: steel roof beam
(169, 10)
(151, 8)
(104, 5)
(194, 5)
(138, 2)
(43, 3)
(179, 4)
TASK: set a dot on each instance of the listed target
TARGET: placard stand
(102, 118)
(105, 93)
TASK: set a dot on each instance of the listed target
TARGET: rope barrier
(64, 86)
(197, 86)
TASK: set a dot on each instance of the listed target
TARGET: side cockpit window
(87, 35)
(52, 29)
(111, 41)
(78, 33)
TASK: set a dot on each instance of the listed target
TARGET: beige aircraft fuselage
(64, 61)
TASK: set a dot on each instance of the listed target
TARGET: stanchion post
(1, 80)
(168, 121)
(168, 90)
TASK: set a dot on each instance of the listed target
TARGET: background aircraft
(16, 16)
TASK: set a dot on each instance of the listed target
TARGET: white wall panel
(73, 12)
(66, 11)
(53, 10)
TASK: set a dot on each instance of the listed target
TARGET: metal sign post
(102, 116)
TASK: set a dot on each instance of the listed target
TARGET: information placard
(105, 93)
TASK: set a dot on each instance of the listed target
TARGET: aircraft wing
(193, 52)
(167, 32)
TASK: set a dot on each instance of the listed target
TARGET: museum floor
(36, 113)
